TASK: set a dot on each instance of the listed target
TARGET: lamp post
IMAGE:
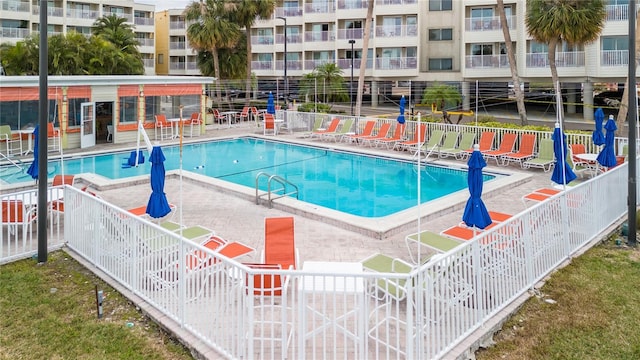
(351, 82)
(286, 80)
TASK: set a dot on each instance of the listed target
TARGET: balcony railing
(492, 23)
(145, 42)
(291, 39)
(345, 64)
(352, 4)
(15, 33)
(350, 33)
(614, 57)
(192, 65)
(12, 5)
(291, 65)
(129, 17)
(315, 36)
(262, 65)
(289, 11)
(177, 25)
(148, 62)
(315, 8)
(395, 2)
(487, 61)
(384, 31)
(82, 14)
(618, 12)
(177, 45)
(177, 66)
(312, 64)
(143, 21)
(396, 63)
(262, 40)
(563, 59)
(51, 11)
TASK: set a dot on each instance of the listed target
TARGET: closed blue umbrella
(562, 173)
(607, 156)
(271, 108)
(401, 116)
(475, 212)
(158, 205)
(597, 136)
(33, 168)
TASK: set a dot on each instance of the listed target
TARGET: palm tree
(522, 111)
(576, 22)
(115, 30)
(443, 97)
(624, 103)
(364, 57)
(245, 13)
(210, 30)
(331, 76)
(21, 58)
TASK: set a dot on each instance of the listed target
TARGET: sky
(167, 4)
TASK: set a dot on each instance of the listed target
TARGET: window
(440, 5)
(615, 43)
(128, 109)
(440, 34)
(481, 49)
(441, 64)
(75, 109)
(160, 58)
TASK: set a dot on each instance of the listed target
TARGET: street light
(351, 82)
(286, 80)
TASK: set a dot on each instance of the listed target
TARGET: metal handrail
(279, 180)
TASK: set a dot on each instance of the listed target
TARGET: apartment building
(21, 18)
(174, 54)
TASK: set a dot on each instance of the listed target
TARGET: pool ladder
(270, 179)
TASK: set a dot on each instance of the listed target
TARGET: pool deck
(238, 218)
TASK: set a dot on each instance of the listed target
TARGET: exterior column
(587, 101)
(465, 96)
(572, 98)
(203, 108)
(374, 94)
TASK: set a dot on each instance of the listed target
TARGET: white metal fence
(330, 313)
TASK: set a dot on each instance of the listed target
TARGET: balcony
(350, 33)
(318, 36)
(192, 65)
(148, 63)
(291, 39)
(177, 25)
(614, 58)
(487, 61)
(352, 4)
(262, 40)
(145, 42)
(82, 14)
(395, 2)
(143, 21)
(291, 65)
(129, 17)
(177, 45)
(345, 64)
(177, 66)
(51, 11)
(314, 8)
(563, 59)
(617, 12)
(312, 64)
(12, 5)
(396, 63)
(290, 11)
(492, 23)
(262, 65)
(396, 31)
(14, 33)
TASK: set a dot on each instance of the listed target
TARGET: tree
(365, 54)
(210, 30)
(245, 13)
(443, 97)
(21, 58)
(329, 77)
(115, 30)
(522, 111)
(576, 22)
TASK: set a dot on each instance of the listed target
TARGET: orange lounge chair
(506, 147)
(419, 137)
(279, 243)
(200, 259)
(382, 133)
(333, 126)
(390, 142)
(539, 195)
(527, 146)
(485, 142)
(464, 233)
(367, 131)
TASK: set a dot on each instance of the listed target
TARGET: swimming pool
(352, 183)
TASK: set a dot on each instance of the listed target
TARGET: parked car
(608, 98)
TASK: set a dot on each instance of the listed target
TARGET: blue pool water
(352, 183)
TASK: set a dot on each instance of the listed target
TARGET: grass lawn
(589, 309)
(49, 312)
